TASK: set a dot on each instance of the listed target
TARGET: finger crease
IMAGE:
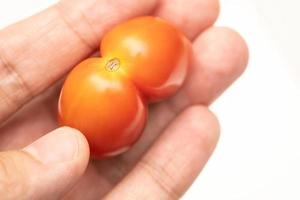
(71, 27)
(161, 177)
(18, 81)
(85, 19)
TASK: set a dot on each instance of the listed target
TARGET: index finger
(190, 17)
(38, 51)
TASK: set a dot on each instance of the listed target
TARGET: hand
(180, 135)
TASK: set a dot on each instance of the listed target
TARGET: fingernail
(59, 146)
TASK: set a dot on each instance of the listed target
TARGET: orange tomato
(143, 60)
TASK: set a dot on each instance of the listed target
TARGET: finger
(191, 17)
(38, 51)
(32, 121)
(37, 117)
(220, 57)
(173, 162)
(46, 169)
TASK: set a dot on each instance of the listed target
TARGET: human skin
(181, 132)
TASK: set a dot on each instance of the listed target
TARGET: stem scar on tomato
(113, 65)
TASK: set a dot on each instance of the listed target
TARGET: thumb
(45, 169)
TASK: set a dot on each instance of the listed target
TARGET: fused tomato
(143, 60)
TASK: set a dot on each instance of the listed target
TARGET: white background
(258, 157)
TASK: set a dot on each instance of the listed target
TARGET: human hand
(181, 132)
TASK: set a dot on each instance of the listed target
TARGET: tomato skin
(143, 60)
(105, 106)
(153, 53)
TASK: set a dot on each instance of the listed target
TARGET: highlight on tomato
(143, 60)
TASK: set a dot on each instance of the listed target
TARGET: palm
(211, 72)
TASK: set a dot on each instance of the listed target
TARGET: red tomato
(143, 60)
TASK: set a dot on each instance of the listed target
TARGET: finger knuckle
(13, 87)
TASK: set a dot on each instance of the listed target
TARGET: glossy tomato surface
(143, 60)
(153, 53)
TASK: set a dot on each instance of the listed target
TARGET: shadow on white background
(258, 156)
